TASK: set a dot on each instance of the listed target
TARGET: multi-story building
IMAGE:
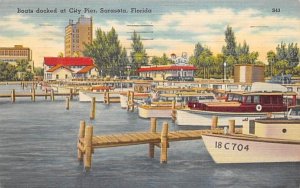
(12, 54)
(76, 35)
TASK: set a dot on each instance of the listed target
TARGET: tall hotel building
(76, 35)
(12, 54)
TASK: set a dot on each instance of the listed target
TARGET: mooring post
(108, 100)
(23, 85)
(52, 95)
(231, 126)
(173, 110)
(93, 108)
(164, 143)
(13, 95)
(33, 95)
(132, 101)
(153, 122)
(88, 147)
(128, 100)
(46, 94)
(67, 103)
(214, 122)
(80, 149)
(71, 93)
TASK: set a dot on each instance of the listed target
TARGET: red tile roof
(68, 61)
(57, 67)
(85, 69)
(166, 68)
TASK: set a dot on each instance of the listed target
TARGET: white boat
(262, 141)
(163, 108)
(86, 96)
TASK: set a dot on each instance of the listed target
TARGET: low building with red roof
(160, 72)
(60, 68)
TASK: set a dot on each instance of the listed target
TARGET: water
(38, 149)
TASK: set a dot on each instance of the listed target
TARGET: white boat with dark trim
(261, 102)
(262, 141)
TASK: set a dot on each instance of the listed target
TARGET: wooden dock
(87, 142)
(13, 95)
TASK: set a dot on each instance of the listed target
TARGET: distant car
(173, 78)
(187, 78)
(135, 78)
(147, 78)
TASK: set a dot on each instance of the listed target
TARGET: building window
(66, 76)
(57, 76)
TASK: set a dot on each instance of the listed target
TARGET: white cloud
(43, 39)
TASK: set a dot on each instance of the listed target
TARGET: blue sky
(176, 26)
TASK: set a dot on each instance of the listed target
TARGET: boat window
(248, 99)
(267, 99)
(274, 99)
(232, 86)
(230, 97)
(237, 98)
(256, 99)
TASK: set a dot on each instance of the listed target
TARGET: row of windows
(14, 52)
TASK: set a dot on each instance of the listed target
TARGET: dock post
(164, 143)
(80, 137)
(153, 122)
(67, 103)
(52, 95)
(71, 93)
(132, 101)
(88, 136)
(33, 95)
(231, 126)
(128, 100)
(108, 101)
(214, 122)
(23, 85)
(93, 108)
(173, 110)
(13, 95)
(46, 91)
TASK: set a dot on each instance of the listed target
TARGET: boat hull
(204, 118)
(158, 112)
(87, 96)
(229, 150)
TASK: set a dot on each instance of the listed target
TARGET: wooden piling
(214, 122)
(33, 95)
(231, 126)
(108, 101)
(128, 100)
(71, 93)
(13, 95)
(46, 91)
(93, 108)
(80, 136)
(67, 103)
(22, 85)
(173, 110)
(132, 101)
(164, 143)
(52, 95)
(153, 122)
(88, 136)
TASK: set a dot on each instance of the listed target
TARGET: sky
(170, 26)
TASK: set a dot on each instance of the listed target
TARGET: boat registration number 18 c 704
(231, 146)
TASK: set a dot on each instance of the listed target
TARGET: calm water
(38, 149)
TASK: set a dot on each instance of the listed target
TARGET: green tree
(271, 58)
(8, 72)
(39, 71)
(230, 48)
(107, 53)
(138, 54)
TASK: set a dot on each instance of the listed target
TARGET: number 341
(275, 9)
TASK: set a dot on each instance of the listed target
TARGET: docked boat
(262, 141)
(251, 105)
(163, 108)
(95, 91)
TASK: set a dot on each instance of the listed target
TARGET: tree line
(112, 59)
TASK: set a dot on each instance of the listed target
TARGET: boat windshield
(235, 97)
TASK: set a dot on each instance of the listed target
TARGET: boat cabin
(250, 102)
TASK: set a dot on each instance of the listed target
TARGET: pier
(13, 95)
(88, 142)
